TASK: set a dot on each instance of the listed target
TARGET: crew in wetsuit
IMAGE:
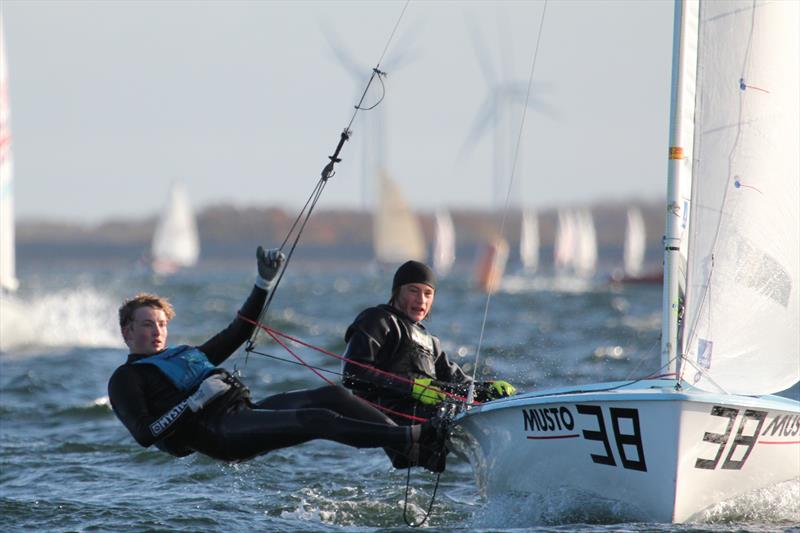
(391, 338)
(179, 400)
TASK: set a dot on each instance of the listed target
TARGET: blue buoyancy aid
(185, 366)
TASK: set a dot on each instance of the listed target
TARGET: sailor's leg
(333, 397)
(251, 432)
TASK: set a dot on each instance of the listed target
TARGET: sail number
(740, 440)
(633, 439)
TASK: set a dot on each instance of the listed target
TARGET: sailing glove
(500, 389)
(424, 392)
(211, 388)
(269, 264)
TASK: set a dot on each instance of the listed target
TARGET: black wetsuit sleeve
(226, 342)
(372, 338)
(449, 375)
(128, 390)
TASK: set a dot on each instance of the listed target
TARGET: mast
(684, 66)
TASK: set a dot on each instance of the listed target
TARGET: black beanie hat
(413, 272)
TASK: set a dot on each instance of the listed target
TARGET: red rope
(275, 333)
(272, 332)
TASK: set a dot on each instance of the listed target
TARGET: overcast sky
(244, 101)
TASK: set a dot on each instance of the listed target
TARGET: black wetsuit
(232, 427)
(385, 338)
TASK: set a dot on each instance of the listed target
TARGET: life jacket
(185, 366)
(414, 356)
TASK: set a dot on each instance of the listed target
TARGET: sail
(175, 241)
(397, 235)
(529, 241)
(635, 242)
(444, 244)
(8, 278)
(564, 247)
(742, 323)
(586, 255)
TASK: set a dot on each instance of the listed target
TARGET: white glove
(269, 264)
(210, 388)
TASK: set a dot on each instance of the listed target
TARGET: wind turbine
(499, 108)
(372, 123)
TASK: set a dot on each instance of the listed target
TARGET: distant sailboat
(529, 242)
(444, 244)
(397, 235)
(575, 250)
(634, 252)
(8, 278)
(491, 265)
(175, 241)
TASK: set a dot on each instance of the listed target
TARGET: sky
(243, 102)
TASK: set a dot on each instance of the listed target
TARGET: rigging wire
(471, 393)
(328, 172)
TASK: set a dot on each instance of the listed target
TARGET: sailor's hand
(211, 388)
(424, 392)
(500, 389)
(269, 264)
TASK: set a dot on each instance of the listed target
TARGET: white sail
(444, 244)
(586, 255)
(742, 332)
(8, 278)
(175, 241)
(564, 247)
(397, 235)
(635, 242)
(529, 241)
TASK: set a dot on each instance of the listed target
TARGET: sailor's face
(147, 332)
(415, 300)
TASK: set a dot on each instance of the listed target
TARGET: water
(69, 465)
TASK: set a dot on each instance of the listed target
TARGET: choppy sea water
(67, 464)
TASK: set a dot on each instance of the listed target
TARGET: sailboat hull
(647, 451)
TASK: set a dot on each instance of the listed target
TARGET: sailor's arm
(227, 341)
(372, 334)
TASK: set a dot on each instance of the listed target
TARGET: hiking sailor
(179, 400)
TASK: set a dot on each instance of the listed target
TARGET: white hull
(656, 453)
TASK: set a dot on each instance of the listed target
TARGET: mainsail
(175, 241)
(742, 320)
(397, 235)
(8, 278)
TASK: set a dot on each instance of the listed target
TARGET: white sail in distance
(742, 328)
(8, 277)
(529, 241)
(397, 235)
(635, 242)
(444, 244)
(175, 241)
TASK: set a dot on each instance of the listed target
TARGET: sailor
(179, 400)
(392, 339)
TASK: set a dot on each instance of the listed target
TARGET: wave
(82, 317)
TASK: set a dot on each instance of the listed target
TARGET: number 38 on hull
(657, 453)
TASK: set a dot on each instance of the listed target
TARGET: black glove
(269, 264)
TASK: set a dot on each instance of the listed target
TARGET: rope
(430, 504)
(508, 194)
(327, 173)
